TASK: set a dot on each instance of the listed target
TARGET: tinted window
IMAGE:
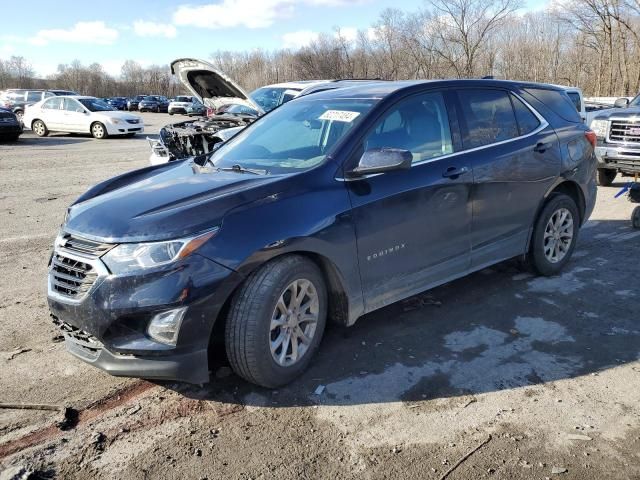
(558, 102)
(183, 99)
(52, 104)
(34, 96)
(489, 117)
(527, 121)
(419, 124)
(575, 99)
(95, 105)
(635, 102)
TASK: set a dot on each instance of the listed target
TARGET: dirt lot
(542, 374)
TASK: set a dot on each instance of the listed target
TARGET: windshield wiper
(240, 169)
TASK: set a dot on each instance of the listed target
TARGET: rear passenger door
(52, 113)
(516, 157)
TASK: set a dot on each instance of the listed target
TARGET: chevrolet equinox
(327, 208)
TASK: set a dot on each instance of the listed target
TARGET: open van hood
(209, 85)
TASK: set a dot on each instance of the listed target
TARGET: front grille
(73, 265)
(70, 277)
(625, 131)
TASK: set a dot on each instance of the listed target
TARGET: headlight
(115, 121)
(600, 127)
(131, 257)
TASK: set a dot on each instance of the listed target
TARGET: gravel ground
(540, 375)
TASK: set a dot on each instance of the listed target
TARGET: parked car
(132, 103)
(332, 206)
(10, 126)
(180, 104)
(196, 109)
(17, 99)
(234, 109)
(119, 103)
(618, 131)
(79, 114)
(153, 103)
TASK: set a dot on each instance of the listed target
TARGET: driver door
(74, 116)
(413, 226)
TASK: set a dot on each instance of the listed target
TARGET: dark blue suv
(329, 207)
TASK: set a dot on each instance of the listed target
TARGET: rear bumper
(619, 157)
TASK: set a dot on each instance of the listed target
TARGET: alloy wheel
(98, 130)
(558, 235)
(39, 128)
(293, 322)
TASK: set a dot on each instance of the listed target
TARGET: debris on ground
(19, 472)
(417, 302)
(558, 470)
(16, 352)
(585, 438)
(469, 402)
(133, 410)
(468, 454)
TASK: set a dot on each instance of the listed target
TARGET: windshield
(183, 99)
(95, 105)
(150, 99)
(635, 102)
(295, 137)
(268, 97)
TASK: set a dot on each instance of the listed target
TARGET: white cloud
(143, 28)
(82, 32)
(299, 39)
(246, 13)
(350, 34)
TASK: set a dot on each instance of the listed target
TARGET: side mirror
(621, 103)
(379, 160)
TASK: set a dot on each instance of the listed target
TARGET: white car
(80, 114)
(180, 104)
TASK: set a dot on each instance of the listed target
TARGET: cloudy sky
(48, 33)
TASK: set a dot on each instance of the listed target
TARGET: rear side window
(527, 121)
(575, 99)
(558, 101)
(489, 117)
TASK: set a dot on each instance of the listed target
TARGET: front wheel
(276, 321)
(554, 235)
(39, 128)
(635, 217)
(606, 176)
(99, 131)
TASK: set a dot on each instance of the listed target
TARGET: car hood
(619, 113)
(164, 202)
(209, 85)
(117, 114)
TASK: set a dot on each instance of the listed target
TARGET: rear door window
(558, 101)
(34, 96)
(527, 121)
(489, 117)
(52, 104)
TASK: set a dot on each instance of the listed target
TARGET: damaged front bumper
(107, 326)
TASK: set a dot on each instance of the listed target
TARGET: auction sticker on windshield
(339, 115)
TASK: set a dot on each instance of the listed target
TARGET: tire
(20, 115)
(606, 177)
(99, 131)
(249, 336)
(635, 218)
(39, 128)
(170, 113)
(560, 211)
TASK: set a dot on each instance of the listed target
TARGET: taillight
(591, 137)
(210, 112)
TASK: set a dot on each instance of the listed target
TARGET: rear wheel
(635, 217)
(99, 131)
(554, 235)
(606, 176)
(20, 115)
(39, 128)
(276, 321)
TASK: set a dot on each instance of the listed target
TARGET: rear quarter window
(558, 102)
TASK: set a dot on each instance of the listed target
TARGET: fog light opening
(165, 326)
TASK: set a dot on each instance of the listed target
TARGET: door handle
(454, 172)
(541, 147)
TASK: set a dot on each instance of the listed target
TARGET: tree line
(592, 44)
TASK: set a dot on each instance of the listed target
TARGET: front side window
(489, 117)
(419, 124)
(71, 105)
(52, 104)
(295, 137)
